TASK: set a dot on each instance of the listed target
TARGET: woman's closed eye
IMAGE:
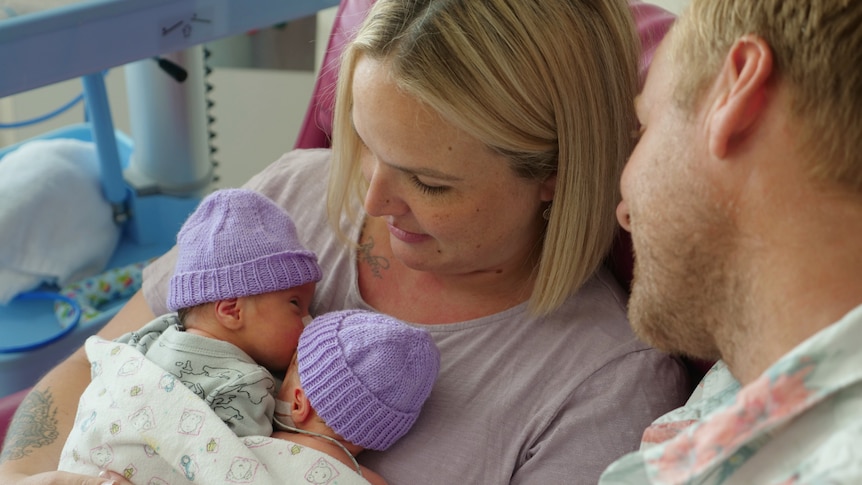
(428, 189)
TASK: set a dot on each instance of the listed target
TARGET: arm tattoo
(377, 263)
(34, 426)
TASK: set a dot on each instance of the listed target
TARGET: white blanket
(55, 225)
(136, 419)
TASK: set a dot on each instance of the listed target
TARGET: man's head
(745, 103)
(817, 52)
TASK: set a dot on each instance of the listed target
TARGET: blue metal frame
(46, 47)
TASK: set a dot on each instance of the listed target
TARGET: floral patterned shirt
(800, 422)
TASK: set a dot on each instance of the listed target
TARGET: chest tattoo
(376, 263)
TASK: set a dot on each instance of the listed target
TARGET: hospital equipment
(154, 178)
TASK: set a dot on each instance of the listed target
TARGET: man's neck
(804, 279)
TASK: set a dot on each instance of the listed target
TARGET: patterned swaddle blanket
(136, 419)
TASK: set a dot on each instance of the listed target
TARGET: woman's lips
(408, 237)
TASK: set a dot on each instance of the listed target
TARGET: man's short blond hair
(817, 51)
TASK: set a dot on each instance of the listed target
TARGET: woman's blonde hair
(817, 50)
(547, 83)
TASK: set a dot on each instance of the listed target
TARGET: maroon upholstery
(317, 125)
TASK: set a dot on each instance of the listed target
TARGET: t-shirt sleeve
(612, 408)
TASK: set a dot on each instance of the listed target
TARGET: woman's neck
(431, 298)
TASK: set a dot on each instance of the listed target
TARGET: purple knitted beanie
(366, 374)
(238, 243)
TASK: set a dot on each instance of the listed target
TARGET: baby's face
(276, 320)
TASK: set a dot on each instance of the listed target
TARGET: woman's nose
(380, 199)
(623, 215)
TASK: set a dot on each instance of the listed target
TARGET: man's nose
(623, 215)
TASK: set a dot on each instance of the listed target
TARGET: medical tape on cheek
(282, 408)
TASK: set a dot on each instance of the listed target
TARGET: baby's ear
(228, 313)
(301, 410)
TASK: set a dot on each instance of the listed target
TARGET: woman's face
(452, 205)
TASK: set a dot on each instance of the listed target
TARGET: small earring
(546, 214)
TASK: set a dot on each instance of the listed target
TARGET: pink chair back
(316, 127)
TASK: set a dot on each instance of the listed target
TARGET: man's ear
(300, 410)
(228, 313)
(741, 87)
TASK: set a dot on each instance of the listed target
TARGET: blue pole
(99, 111)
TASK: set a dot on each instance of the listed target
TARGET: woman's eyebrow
(426, 172)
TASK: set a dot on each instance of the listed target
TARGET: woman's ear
(228, 313)
(742, 93)
(548, 188)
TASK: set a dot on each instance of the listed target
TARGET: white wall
(37, 102)
(675, 6)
